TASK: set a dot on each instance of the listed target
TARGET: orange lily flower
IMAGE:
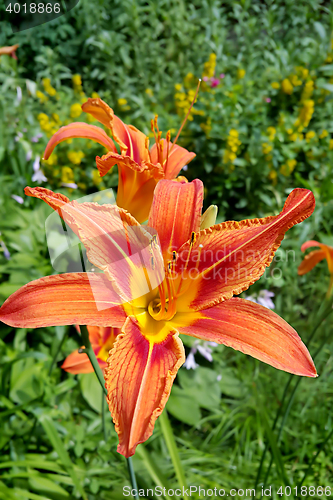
(316, 256)
(203, 268)
(9, 51)
(140, 168)
(102, 339)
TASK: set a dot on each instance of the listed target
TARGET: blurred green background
(261, 126)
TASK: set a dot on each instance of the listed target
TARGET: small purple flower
(18, 136)
(215, 82)
(36, 137)
(28, 156)
(185, 168)
(222, 75)
(205, 78)
(264, 298)
(268, 99)
(17, 198)
(6, 252)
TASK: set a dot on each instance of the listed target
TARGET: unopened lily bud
(208, 219)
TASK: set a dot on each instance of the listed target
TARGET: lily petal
(227, 258)
(177, 159)
(310, 261)
(79, 129)
(132, 142)
(255, 330)
(176, 213)
(325, 248)
(139, 378)
(77, 363)
(64, 299)
(54, 200)
(119, 246)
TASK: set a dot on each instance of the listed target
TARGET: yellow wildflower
(149, 92)
(241, 73)
(288, 167)
(122, 101)
(275, 85)
(76, 110)
(266, 148)
(94, 95)
(289, 131)
(52, 160)
(273, 176)
(323, 134)
(67, 175)
(330, 144)
(209, 66)
(295, 81)
(76, 79)
(178, 87)
(271, 131)
(51, 90)
(310, 135)
(293, 137)
(308, 90)
(42, 97)
(287, 86)
(96, 178)
(75, 157)
(306, 112)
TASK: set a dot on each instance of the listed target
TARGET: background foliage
(260, 127)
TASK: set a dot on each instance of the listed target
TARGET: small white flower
(190, 362)
(38, 177)
(19, 94)
(69, 185)
(28, 156)
(185, 167)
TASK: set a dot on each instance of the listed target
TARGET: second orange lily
(313, 258)
(139, 167)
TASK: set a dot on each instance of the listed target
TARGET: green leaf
(57, 444)
(183, 407)
(91, 391)
(48, 487)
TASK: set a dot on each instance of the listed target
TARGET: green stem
(92, 357)
(98, 371)
(324, 311)
(132, 476)
(172, 447)
(103, 417)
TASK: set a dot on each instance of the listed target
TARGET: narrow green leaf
(152, 469)
(57, 444)
(172, 447)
